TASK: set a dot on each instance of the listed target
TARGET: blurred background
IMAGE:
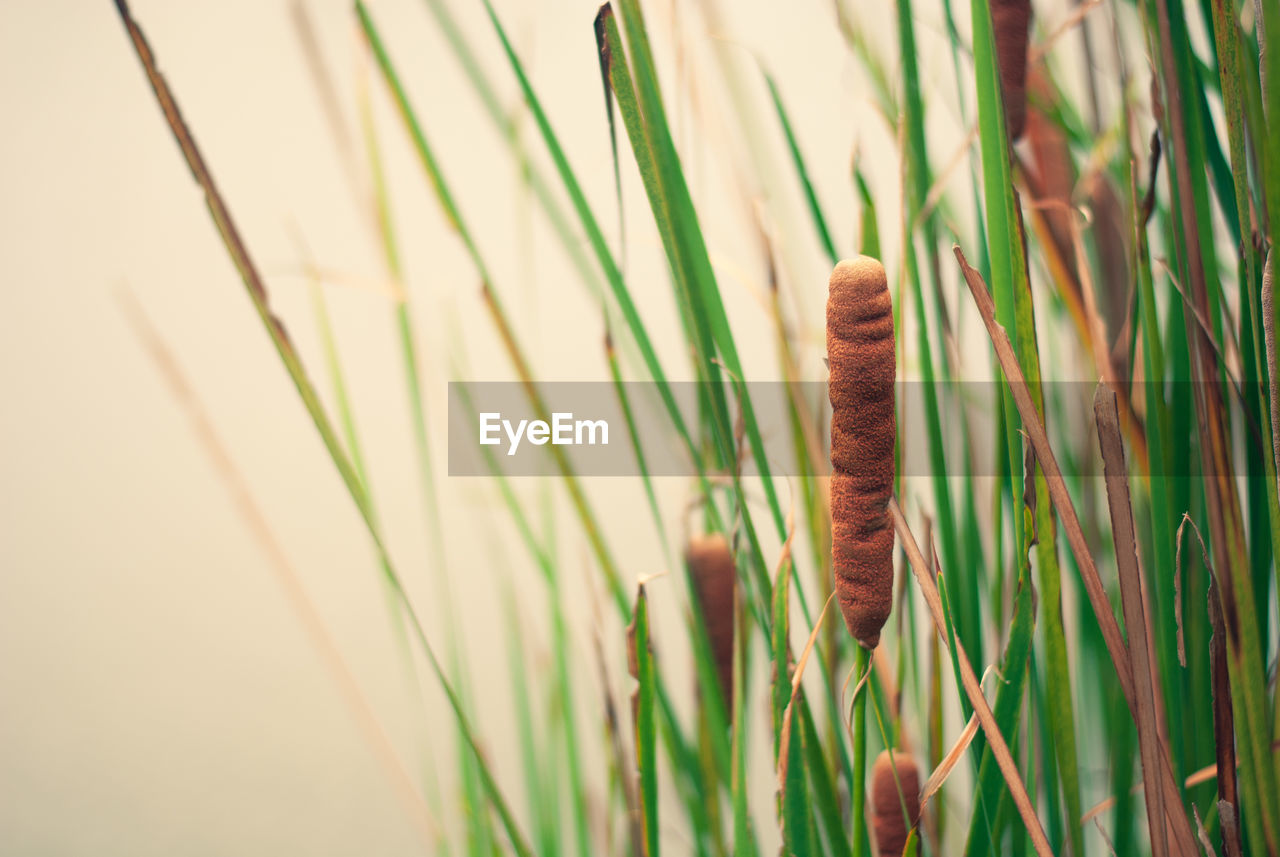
(160, 692)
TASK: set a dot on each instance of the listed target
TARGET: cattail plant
(1212, 88)
(860, 352)
(895, 800)
(1010, 19)
(712, 571)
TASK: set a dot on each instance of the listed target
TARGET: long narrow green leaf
(626, 95)
(1014, 307)
(1269, 52)
(645, 731)
(1159, 489)
(793, 810)
(965, 593)
(479, 822)
(479, 834)
(1060, 709)
(1004, 245)
(802, 172)
(743, 841)
(1198, 267)
(595, 236)
(605, 258)
(691, 252)
(1226, 39)
(858, 792)
(628, 415)
(444, 196)
(1007, 711)
(824, 786)
(254, 284)
(540, 798)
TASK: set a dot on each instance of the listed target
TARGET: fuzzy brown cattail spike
(888, 821)
(1010, 20)
(711, 566)
(860, 354)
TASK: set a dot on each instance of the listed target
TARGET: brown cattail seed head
(860, 354)
(711, 567)
(1051, 154)
(888, 821)
(1010, 20)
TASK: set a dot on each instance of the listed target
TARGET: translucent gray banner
(602, 429)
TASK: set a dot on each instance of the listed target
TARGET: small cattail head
(894, 768)
(1010, 21)
(714, 575)
(1050, 152)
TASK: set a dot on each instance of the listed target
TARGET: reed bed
(1076, 674)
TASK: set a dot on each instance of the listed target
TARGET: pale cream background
(159, 695)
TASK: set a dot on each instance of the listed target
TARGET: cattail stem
(861, 841)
